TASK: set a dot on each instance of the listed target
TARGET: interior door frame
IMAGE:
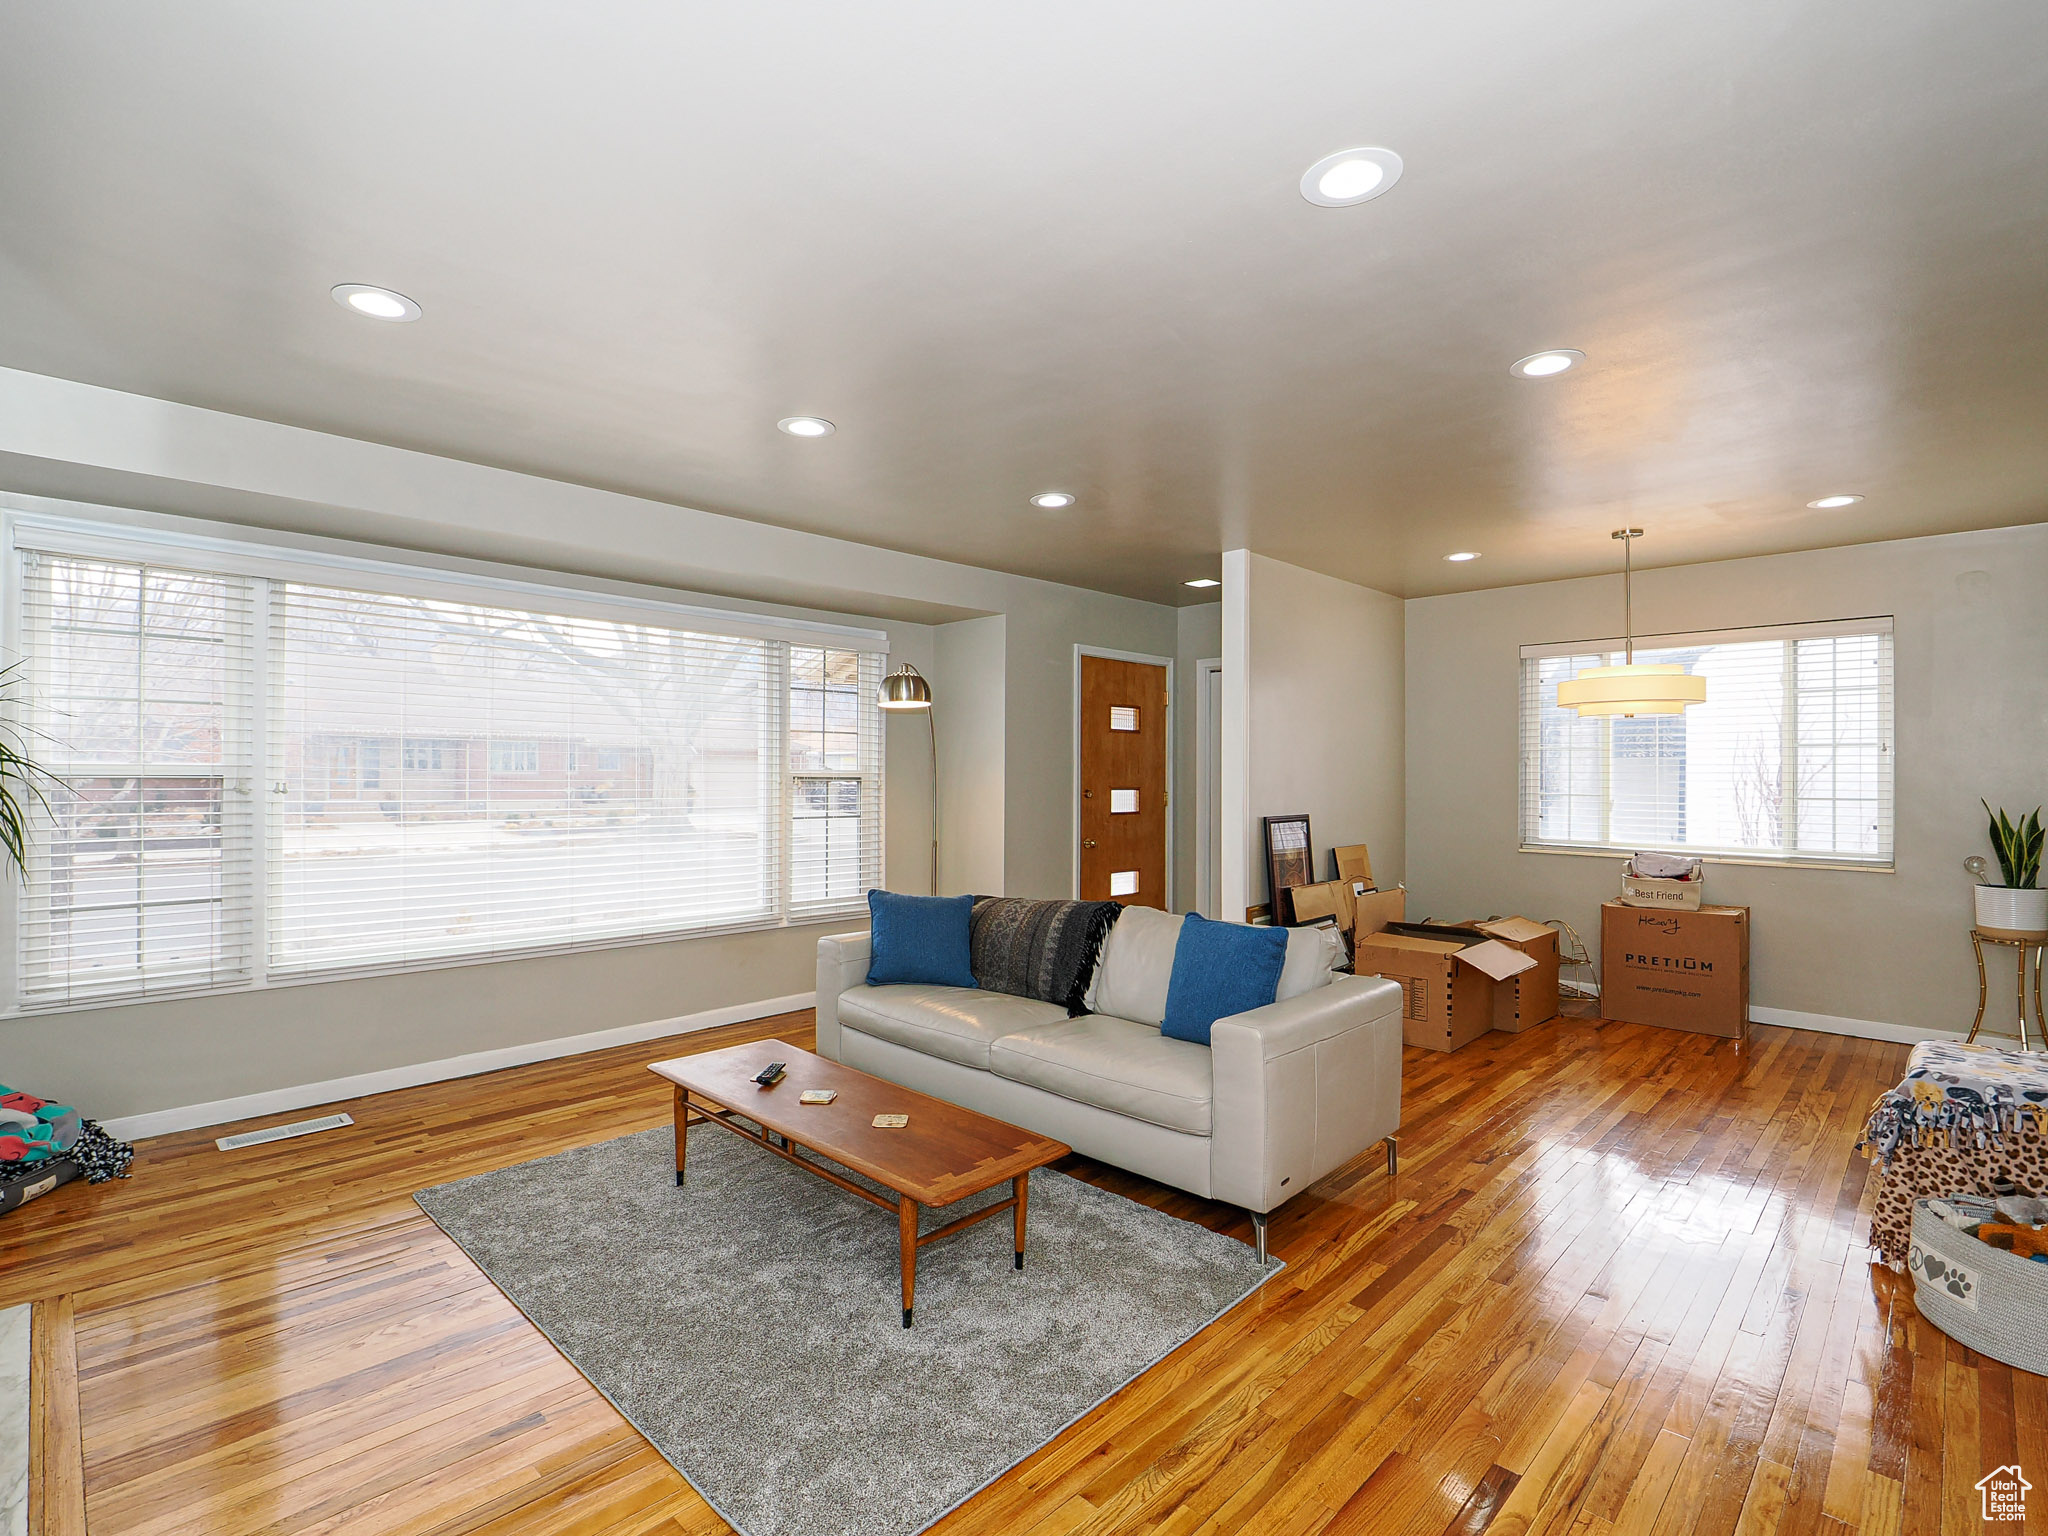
(1074, 797)
(1208, 722)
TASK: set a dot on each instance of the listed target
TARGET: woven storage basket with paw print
(1979, 1295)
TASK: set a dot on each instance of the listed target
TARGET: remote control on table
(771, 1074)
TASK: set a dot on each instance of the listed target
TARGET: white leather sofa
(1281, 1096)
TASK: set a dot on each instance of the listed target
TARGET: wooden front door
(1123, 782)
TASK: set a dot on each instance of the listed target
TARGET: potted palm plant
(2017, 905)
(21, 779)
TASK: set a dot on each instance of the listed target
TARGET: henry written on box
(1681, 970)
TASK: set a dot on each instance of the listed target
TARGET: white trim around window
(286, 765)
(1790, 761)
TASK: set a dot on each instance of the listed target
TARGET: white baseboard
(275, 1101)
(1861, 1029)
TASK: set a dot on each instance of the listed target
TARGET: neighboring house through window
(443, 775)
(515, 757)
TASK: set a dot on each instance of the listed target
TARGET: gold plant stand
(2021, 941)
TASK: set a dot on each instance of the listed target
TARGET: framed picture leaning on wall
(1289, 862)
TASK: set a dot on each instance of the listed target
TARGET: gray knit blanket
(1041, 949)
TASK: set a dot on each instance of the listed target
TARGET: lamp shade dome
(905, 688)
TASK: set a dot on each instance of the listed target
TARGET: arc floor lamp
(906, 689)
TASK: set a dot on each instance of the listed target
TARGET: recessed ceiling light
(807, 426)
(1464, 554)
(1203, 581)
(1350, 176)
(1542, 365)
(1829, 503)
(377, 303)
(1052, 501)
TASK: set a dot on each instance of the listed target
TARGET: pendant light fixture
(1633, 688)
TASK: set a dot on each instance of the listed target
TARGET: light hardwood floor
(1619, 1286)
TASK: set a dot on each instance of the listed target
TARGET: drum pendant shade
(1634, 688)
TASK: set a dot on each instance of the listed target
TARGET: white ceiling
(1061, 245)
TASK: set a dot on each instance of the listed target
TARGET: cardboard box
(1427, 929)
(1445, 1005)
(1535, 989)
(1671, 895)
(1348, 892)
(1451, 989)
(1373, 910)
(1682, 970)
(1319, 900)
(1329, 898)
(1500, 962)
(1354, 862)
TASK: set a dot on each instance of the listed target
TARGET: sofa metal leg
(1393, 1155)
(1259, 1219)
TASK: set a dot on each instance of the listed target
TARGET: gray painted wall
(970, 658)
(906, 772)
(1323, 701)
(1971, 663)
(1199, 638)
(121, 1061)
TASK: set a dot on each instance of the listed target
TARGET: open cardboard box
(1535, 987)
(1452, 987)
(1652, 891)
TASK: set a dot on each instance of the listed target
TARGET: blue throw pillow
(1220, 969)
(919, 938)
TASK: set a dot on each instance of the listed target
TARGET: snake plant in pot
(2018, 905)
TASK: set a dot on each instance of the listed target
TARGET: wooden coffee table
(944, 1154)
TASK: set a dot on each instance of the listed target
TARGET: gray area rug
(749, 1324)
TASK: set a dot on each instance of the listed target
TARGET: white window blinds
(1790, 758)
(139, 871)
(835, 765)
(267, 775)
(458, 780)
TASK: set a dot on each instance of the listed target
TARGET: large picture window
(1789, 759)
(273, 778)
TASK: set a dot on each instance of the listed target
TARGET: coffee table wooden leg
(682, 1131)
(1020, 1187)
(906, 1220)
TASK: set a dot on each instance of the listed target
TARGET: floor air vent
(281, 1132)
